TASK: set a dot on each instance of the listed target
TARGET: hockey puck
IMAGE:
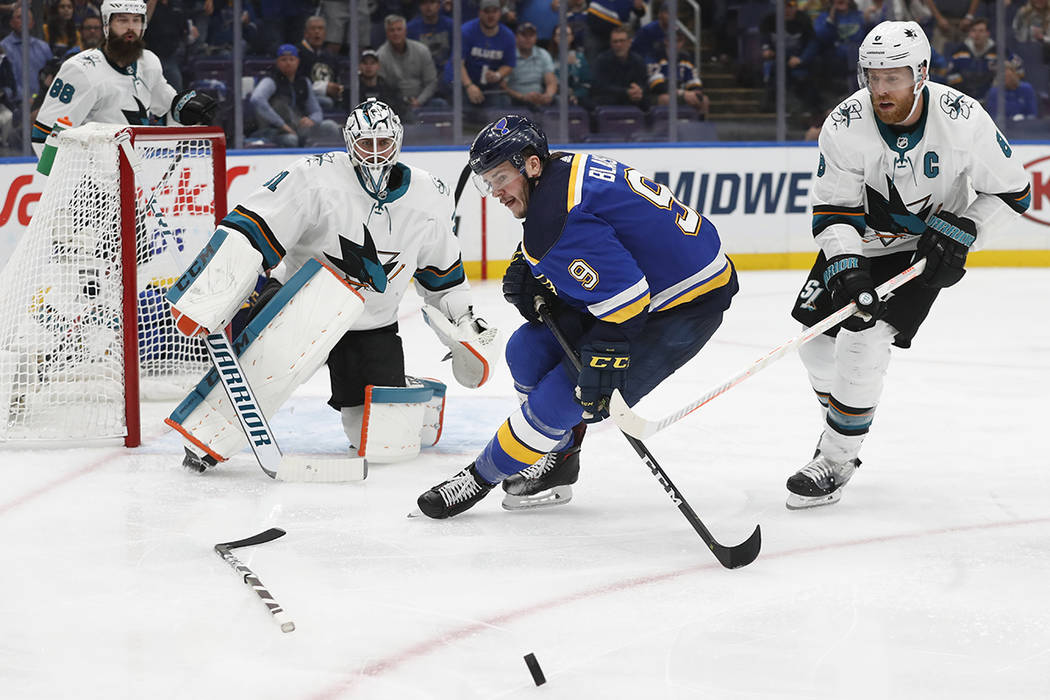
(534, 669)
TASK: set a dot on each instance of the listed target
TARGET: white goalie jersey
(876, 186)
(89, 88)
(317, 208)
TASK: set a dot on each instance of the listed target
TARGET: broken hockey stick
(729, 557)
(257, 429)
(249, 577)
(641, 427)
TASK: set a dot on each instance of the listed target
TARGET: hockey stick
(223, 550)
(641, 427)
(729, 557)
(261, 438)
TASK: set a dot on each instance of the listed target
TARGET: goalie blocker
(280, 348)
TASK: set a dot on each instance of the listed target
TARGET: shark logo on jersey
(955, 106)
(846, 114)
(321, 158)
(441, 186)
(360, 263)
(890, 217)
(139, 117)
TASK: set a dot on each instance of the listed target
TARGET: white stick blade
(627, 420)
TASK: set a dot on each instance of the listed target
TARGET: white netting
(62, 367)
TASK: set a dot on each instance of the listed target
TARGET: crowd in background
(299, 69)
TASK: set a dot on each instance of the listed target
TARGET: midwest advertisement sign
(757, 196)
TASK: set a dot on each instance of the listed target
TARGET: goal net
(85, 331)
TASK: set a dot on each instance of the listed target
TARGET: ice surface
(928, 580)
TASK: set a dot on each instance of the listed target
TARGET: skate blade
(556, 496)
(796, 502)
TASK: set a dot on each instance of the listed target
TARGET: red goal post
(85, 332)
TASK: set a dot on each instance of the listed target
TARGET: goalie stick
(249, 577)
(257, 429)
(641, 427)
(729, 557)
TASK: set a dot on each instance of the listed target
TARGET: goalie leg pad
(433, 410)
(393, 422)
(211, 290)
(317, 305)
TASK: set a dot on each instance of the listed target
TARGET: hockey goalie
(342, 235)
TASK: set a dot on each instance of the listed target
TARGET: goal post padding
(85, 331)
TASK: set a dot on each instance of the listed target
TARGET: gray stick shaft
(249, 578)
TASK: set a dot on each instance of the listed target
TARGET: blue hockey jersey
(617, 245)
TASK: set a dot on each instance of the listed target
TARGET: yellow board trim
(804, 261)
(513, 447)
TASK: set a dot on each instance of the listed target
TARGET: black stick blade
(742, 554)
(262, 538)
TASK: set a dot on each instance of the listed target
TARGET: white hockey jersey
(90, 88)
(877, 186)
(318, 206)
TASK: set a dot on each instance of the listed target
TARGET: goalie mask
(373, 136)
(895, 45)
(131, 7)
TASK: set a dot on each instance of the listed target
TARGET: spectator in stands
(1032, 22)
(167, 35)
(39, 51)
(576, 15)
(579, 70)
(1020, 98)
(953, 20)
(82, 9)
(372, 84)
(337, 15)
(972, 65)
(433, 30)
(650, 42)
(60, 31)
(408, 65)
(532, 83)
(91, 33)
(489, 55)
(319, 66)
(620, 75)
(839, 32)
(800, 47)
(604, 16)
(541, 14)
(690, 88)
(219, 27)
(286, 107)
(282, 21)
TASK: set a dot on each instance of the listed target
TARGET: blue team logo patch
(500, 127)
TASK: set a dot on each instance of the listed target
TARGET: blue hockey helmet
(505, 139)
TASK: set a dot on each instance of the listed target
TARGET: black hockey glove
(945, 244)
(848, 279)
(603, 368)
(191, 107)
(520, 287)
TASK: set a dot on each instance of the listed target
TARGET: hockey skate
(548, 482)
(819, 483)
(198, 464)
(454, 496)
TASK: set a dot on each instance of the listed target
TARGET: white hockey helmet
(373, 136)
(895, 45)
(131, 7)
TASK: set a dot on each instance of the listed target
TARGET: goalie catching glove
(603, 369)
(474, 346)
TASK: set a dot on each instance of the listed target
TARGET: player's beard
(122, 51)
(898, 114)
